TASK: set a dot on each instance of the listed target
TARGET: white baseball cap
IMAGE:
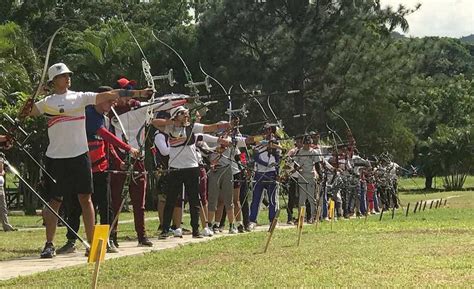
(57, 69)
(174, 111)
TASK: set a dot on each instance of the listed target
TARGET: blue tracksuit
(266, 171)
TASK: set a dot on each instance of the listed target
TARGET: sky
(451, 18)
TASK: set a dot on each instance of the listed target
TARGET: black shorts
(161, 187)
(72, 175)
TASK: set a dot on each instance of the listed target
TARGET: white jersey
(134, 120)
(306, 160)
(66, 122)
(392, 169)
(266, 157)
(183, 155)
(225, 159)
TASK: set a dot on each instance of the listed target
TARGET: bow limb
(146, 69)
(256, 100)
(281, 133)
(350, 136)
(335, 133)
(340, 116)
(45, 66)
(124, 133)
(227, 92)
(187, 72)
(25, 110)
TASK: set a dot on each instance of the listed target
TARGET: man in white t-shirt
(67, 157)
(308, 161)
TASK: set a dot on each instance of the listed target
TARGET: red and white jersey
(66, 122)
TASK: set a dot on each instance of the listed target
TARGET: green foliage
(17, 59)
(412, 97)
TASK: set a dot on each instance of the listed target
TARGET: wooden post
(300, 223)
(416, 207)
(431, 205)
(272, 228)
(318, 204)
(332, 212)
(437, 204)
(440, 202)
(95, 276)
(408, 208)
(445, 201)
(424, 206)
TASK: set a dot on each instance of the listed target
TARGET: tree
(325, 50)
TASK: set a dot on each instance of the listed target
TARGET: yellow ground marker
(300, 222)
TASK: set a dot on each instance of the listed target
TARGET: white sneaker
(233, 230)
(178, 233)
(206, 232)
(252, 226)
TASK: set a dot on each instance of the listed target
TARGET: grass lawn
(430, 248)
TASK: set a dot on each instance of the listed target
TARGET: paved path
(120, 222)
(30, 265)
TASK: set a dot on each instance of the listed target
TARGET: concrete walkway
(120, 222)
(31, 265)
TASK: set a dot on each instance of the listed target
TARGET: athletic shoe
(197, 235)
(48, 252)
(163, 236)
(215, 229)
(186, 231)
(111, 248)
(178, 233)
(144, 242)
(252, 226)
(113, 237)
(290, 222)
(233, 229)
(240, 228)
(9, 228)
(68, 248)
(206, 232)
(247, 229)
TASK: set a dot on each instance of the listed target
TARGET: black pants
(190, 178)
(244, 201)
(292, 197)
(100, 199)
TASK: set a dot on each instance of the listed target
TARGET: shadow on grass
(420, 191)
(431, 191)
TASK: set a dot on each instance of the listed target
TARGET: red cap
(123, 82)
